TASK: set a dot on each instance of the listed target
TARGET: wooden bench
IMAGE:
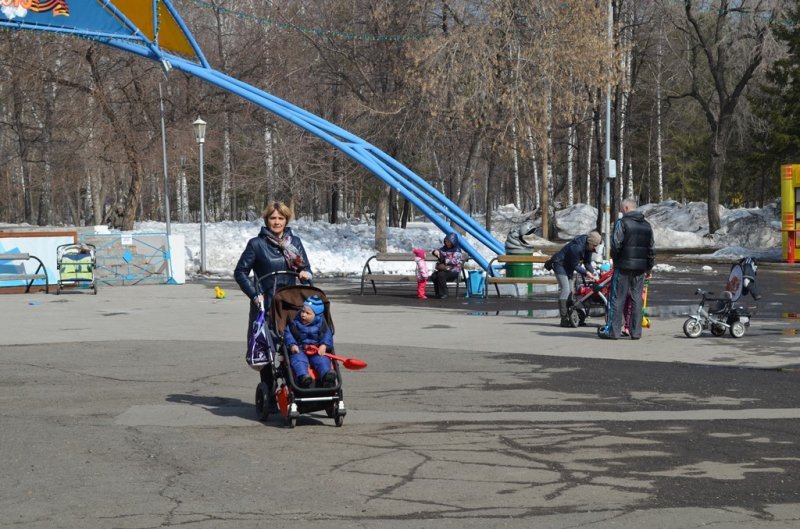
(40, 273)
(367, 274)
(492, 279)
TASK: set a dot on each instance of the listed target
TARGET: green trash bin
(520, 269)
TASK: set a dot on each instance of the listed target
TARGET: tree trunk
(404, 214)
(547, 185)
(488, 197)
(717, 168)
(587, 197)
(381, 214)
(465, 189)
(269, 161)
(227, 170)
(534, 169)
(659, 153)
(571, 136)
(336, 191)
(515, 155)
(47, 125)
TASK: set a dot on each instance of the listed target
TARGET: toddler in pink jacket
(422, 272)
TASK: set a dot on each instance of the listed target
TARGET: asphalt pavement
(133, 409)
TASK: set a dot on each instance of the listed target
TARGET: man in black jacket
(633, 252)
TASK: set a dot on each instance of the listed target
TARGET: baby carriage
(292, 399)
(588, 297)
(76, 264)
(720, 314)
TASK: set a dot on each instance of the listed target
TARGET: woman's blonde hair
(280, 207)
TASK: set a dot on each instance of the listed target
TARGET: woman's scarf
(294, 260)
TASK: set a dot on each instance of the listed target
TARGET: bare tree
(722, 46)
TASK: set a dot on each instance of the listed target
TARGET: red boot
(421, 289)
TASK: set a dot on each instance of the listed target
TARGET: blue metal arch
(433, 204)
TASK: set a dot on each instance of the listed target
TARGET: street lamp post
(164, 157)
(611, 164)
(200, 136)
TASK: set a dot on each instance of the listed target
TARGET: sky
(342, 249)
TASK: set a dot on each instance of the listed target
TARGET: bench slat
(390, 278)
(526, 280)
(522, 258)
(14, 256)
(401, 257)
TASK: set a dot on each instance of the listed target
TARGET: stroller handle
(290, 273)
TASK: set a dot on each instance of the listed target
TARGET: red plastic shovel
(349, 363)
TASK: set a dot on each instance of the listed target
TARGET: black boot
(563, 312)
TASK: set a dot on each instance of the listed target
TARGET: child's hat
(316, 304)
(419, 252)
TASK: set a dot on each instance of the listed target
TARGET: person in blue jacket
(309, 328)
(275, 249)
(575, 256)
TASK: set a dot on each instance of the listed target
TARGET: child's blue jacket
(318, 332)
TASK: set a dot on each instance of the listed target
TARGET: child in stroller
(722, 316)
(309, 330)
(589, 295)
(294, 398)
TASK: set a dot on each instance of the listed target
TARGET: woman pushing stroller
(276, 249)
(575, 256)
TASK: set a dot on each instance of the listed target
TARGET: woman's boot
(562, 311)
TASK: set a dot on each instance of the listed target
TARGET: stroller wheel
(338, 421)
(692, 328)
(737, 329)
(262, 409)
(291, 420)
(574, 318)
(717, 329)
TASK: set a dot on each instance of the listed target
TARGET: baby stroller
(292, 399)
(722, 315)
(76, 264)
(588, 297)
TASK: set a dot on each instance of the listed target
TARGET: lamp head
(199, 130)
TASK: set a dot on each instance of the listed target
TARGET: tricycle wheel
(737, 329)
(692, 328)
(717, 329)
